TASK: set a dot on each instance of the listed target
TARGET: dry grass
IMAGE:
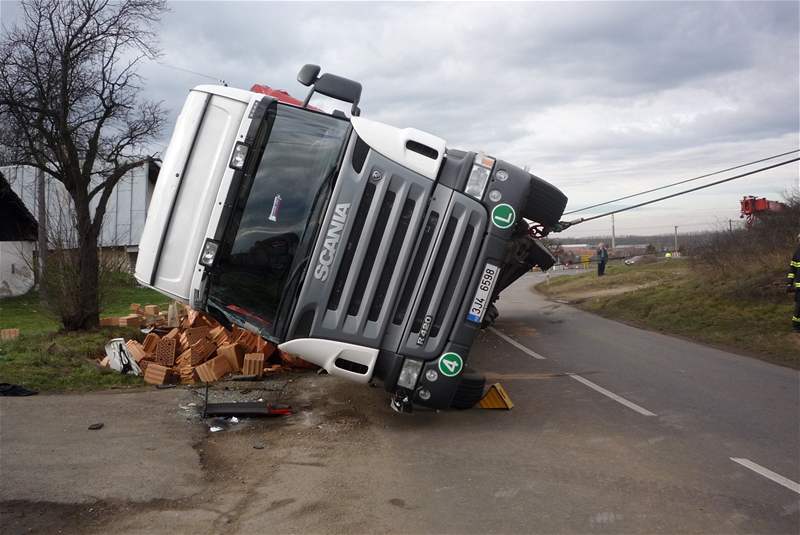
(735, 314)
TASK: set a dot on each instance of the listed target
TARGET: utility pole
(41, 216)
(613, 234)
(730, 225)
(676, 240)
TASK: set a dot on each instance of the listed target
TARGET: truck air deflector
(349, 361)
(417, 150)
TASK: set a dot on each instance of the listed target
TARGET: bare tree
(69, 106)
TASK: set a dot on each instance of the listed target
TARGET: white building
(17, 238)
(125, 213)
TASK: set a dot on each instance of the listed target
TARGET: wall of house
(125, 214)
(16, 277)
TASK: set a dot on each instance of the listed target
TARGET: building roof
(16, 222)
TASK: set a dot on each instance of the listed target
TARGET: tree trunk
(84, 312)
(88, 284)
(42, 226)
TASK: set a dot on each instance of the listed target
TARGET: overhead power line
(681, 182)
(566, 224)
(210, 77)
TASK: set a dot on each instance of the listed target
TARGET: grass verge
(670, 297)
(63, 361)
(46, 359)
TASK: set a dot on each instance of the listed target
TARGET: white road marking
(516, 344)
(619, 399)
(769, 474)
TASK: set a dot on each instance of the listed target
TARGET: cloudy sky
(601, 99)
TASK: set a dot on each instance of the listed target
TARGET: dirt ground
(165, 471)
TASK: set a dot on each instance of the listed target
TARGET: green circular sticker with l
(450, 364)
(503, 216)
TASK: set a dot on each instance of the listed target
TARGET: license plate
(484, 292)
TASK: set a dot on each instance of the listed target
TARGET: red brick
(201, 351)
(213, 370)
(165, 352)
(136, 350)
(235, 355)
(151, 342)
(195, 334)
(253, 364)
(131, 320)
(155, 374)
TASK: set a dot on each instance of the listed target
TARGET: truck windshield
(276, 216)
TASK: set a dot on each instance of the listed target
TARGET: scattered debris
(9, 334)
(258, 446)
(119, 358)
(185, 346)
(244, 378)
(95, 427)
(247, 409)
(7, 389)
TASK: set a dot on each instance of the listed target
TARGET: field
(43, 358)
(671, 297)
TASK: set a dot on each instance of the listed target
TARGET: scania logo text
(332, 239)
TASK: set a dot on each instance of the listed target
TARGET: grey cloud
(601, 98)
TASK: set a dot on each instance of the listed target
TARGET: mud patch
(25, 517)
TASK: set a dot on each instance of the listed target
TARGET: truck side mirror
(339, 88)
(308, 74)
(330, 85)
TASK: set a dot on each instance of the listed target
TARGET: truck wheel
(545, 203)
(470, 390)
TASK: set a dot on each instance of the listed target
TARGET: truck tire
(490, 317)
(470, 390)
(545, 203)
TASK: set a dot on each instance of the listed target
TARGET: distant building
(125, 213)
(18, 231)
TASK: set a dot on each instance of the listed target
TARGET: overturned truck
(374, 252)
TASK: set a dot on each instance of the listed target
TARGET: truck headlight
(209, 253)
(479, 176)
(239, 155)
(409, 373)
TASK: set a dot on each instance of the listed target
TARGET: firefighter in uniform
(793, 285)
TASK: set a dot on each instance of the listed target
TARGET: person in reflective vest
(793, 285)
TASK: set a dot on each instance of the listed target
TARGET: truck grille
(373, 258)
(416, 267)
(443, 284)
(397, 279)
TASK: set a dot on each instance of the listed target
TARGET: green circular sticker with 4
(503, 216)
(450, 364)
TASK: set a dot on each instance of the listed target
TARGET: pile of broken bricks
(199, 349)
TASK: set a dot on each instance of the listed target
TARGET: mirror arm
(308, 96)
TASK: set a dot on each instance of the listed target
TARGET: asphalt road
(568, 457)
(614, 430)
